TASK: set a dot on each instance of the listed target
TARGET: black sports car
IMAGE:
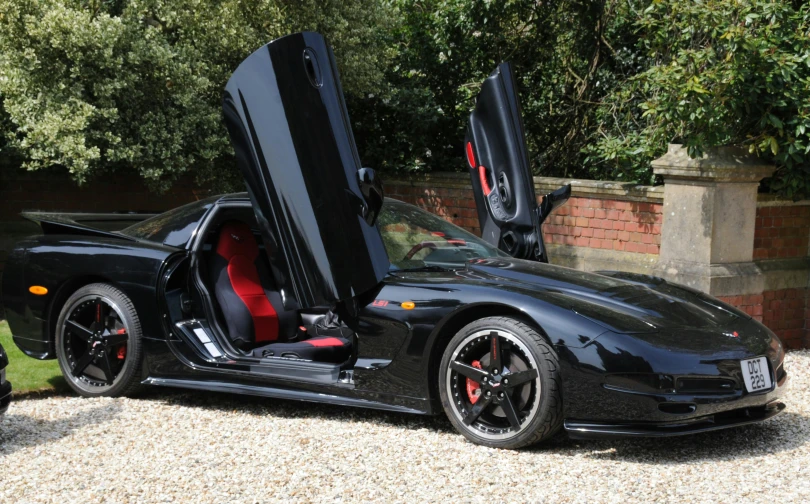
(5, 386)
(311, 286)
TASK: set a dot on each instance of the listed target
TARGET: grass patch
(27, 374)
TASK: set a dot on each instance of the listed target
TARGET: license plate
(756, 374)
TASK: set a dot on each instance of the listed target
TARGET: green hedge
(605, 85)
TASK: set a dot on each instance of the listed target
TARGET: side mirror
(372, 189)
(553, 200)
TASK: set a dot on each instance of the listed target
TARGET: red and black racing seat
(253, 310)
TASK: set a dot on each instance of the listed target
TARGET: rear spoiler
(86, 224)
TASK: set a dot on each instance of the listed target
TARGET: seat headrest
(236, 238)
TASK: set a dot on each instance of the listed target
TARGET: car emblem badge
(734, 334)
(236, 237)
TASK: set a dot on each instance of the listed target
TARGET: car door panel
(288, 123)
(503, 187)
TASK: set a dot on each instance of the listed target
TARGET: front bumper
(648, 415)
(5, 396)
(724, 420)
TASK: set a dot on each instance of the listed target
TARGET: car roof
(240, 196)
(244, 197)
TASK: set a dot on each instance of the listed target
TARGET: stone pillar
(710, 206)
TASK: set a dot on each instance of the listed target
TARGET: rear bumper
(5, 396)
(733, 418)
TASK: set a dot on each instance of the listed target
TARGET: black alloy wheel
(98, 342)
(499, 384)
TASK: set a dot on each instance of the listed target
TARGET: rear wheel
(98, 342)
(499, 384)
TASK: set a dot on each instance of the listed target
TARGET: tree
(96, 85)
(443, 50)
(720, 72)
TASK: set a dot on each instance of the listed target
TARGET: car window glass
(174, 227)
(414, 238)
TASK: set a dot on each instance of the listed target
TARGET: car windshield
(416, 239)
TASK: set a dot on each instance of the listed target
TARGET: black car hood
(620, 302)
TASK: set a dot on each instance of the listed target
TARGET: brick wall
(781, 231)
(633, 225)
(445, 195)
(628, 226)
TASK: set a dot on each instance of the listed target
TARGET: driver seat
(254, 312)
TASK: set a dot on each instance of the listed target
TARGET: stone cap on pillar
(717, 164)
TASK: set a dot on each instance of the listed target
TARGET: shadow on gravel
(282, 408)
(23, 431)
(785, 432)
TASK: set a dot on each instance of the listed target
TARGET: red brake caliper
(122, 350)
(473, 388)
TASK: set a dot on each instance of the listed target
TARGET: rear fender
(61, 264)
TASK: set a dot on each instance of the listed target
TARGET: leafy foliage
(95, 85)
(443, 51)
(716, 72)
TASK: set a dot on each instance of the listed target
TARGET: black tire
(512, 414)
(98, 331)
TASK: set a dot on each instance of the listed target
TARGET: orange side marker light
(38, 290)
(408, 305)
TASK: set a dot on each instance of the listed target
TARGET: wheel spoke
(115, 339)
(79, 330)
(520, 377)
(475, 374)
(477, 409)
(106, 368)
(511, 414)
(495, 352)
(82, 364)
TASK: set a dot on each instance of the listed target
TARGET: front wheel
(499, 384)
(98, 342)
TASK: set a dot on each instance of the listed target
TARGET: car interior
(250, 309)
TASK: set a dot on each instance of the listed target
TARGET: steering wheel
(419, 246)
(432, 245)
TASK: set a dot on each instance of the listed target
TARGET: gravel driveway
(198, 447)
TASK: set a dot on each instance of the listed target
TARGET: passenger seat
(253, 310)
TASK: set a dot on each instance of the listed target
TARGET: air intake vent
(677, 408)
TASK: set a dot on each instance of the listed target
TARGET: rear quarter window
(173, 228)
